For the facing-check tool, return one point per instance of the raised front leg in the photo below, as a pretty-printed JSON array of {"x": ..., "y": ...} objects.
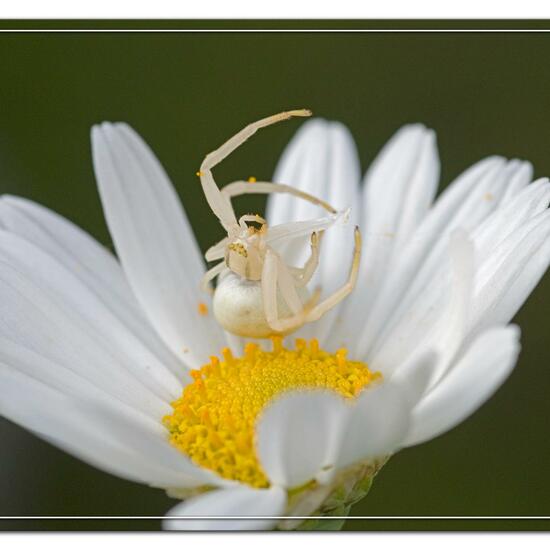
[{"x": 220, "y": 204}]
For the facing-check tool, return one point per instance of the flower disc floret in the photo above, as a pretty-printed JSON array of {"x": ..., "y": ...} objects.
[{"x": 214, "y": 421}]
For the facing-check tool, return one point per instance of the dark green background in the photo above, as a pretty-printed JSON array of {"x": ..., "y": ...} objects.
[{"x": 483, "y": 94}]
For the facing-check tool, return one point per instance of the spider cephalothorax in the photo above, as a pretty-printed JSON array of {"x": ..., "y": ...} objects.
[
  {"x": 244, "y": 255},
  {"x": 258, "y": 294}
]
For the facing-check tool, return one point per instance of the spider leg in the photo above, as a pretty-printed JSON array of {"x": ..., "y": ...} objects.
[
  {"x": 269, "y": 288},
  {"x": 287, "y": 286},
  {"x": 209, "y": 275},
  {"x": 238, "y": 188},
  {"x": 303, "y": 275},
  {"x": 319, "y": 310},
  {"x": 221, "y": 205},
  {"x": 217, "y": 251},
  {"x": 275, "y": 275},
  {"x": 215, "y": 157},
  {"x": 293, "y": 230}
]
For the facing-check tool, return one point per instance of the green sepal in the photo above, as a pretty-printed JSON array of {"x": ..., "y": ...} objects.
[
  {"x": 351, "y": 487},
  {"x": 360, "y": 490}
]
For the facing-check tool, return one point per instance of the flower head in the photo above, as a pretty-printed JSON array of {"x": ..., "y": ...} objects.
[{"x": 119, "y": 360}]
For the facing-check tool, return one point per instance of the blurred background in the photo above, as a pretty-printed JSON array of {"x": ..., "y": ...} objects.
[{"x": 186, "y": 93}]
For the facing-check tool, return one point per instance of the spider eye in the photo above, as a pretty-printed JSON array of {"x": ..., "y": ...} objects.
[{"x": 239, "y": 249}]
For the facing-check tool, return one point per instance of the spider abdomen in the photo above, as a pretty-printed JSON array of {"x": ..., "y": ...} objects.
[{"x": 238, "y": 307}]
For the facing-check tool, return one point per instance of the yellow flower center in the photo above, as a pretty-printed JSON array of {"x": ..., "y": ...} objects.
[{"x": 214, "y": 420}]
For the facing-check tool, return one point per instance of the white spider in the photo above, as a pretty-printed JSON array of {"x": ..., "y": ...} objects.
[{"x": 258, "y": 295}]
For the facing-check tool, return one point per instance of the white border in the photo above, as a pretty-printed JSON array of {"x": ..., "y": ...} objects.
[
  {"x": 282, "y": 9},
  {"x": 372, "y": 518}
]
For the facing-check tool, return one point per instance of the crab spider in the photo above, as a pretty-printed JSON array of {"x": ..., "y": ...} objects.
[{"x": 258, "y": 294}]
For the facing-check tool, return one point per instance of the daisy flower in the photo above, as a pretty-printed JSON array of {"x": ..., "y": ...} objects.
[{"x": 120, "y": 362}]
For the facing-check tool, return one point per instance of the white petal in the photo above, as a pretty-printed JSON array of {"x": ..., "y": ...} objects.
[
  {"x": 322, "y": 160},
  {"x": 399, "y": 189},
  {"x": 86, "y": 259},
  {"x": 298, "y": 436},
  {"x": 522, "y": 174},
  {"x": 63, "y": 286},
  {"x": 415, "y": 375},
  {"x": 514, "y": 213},
  {"x": 438, "y": 319},
  {"x": 518, "y": 291},
  {"x": 241, "y": 501},
  {"x": 454, "y": 324},
  {"x": 401, "y": 182},
  {"x": 54, "y": 375},
  {"x": 106, "y": 435},
  {"x": 342, "y": 191},
  {"x": 34, "y": 319},
  {"x": 506, "y": 277},
  {"x": 299, "y": 166},
  {"x": 464, "y": 204},
  {"x": 475, "y": 377},
  {"x": 65, "y": 241},
  {"x": 153, "y": 240},
  {"x": 147, "y": 440},
  {"x": 377, "y": 424},
  {"x": 70, "y": 431}
]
